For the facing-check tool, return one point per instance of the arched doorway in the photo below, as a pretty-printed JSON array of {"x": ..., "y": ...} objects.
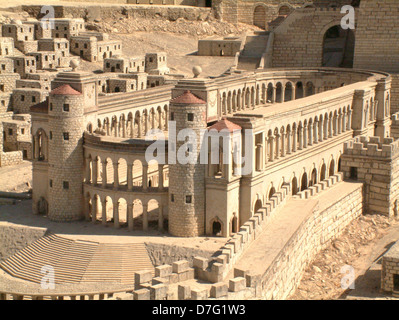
[
  {"x": 284, "y": 11},
  {"x": 304, "y": 182},
  {"x": 313, "y": 178},
  {"x": 234, "y": 222},
  {"x": 258, "y": 205},
  {"x": 260, "y": 17},
  {"x": 271, "y": 192},
  {"x": 338, "y": 47},
  {"x": 332, "y": 168},
  {"x": 216, "y": 228},
  {"x": 323, "y": 172},
  {"x": 294, "y": 186}
]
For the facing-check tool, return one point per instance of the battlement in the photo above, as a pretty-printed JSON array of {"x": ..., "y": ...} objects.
[{"x": 372, "y": 147}]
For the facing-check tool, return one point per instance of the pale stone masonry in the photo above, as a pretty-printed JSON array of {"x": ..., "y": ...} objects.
[{"x": 390, "y": 270}]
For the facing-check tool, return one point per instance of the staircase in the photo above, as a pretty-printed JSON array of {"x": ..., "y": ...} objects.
[
  {"x": 76, "y": 261},
  {"x": 255, "y": 46}
]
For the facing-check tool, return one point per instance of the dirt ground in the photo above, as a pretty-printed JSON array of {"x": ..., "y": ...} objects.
[{"x": 361, "y": 246}]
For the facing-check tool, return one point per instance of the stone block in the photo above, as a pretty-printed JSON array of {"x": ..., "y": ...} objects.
[
  {"x": 158, "y": 292},
  {"x": 219, "y": 290},
  {"x": 142, "y": 276},
  {"x": 141, "y": 294},
  {"x": 199, "y": 294},
  {"x": 240, "y": 273},
  {"x": 158, "y": 280},
  {"x": 163, "y": 271},
  {"x": 200, "y": 263},
  {"x": 237, "y": 284},
  {"x": 180, "y": 266},
  {"x": 184, "y": 292}
]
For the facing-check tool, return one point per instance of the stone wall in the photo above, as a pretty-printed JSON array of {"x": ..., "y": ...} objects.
[
  {"x": 390, "y": 269},
  {"x": 377, "y": 164},
  {"x": 167, "y": 254},
  {"x": 15, "y": 237}
]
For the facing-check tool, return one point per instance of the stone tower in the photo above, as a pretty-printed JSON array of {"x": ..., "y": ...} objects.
[
  {"x": 66, "y": 125},
  {"x": 187, "y": 181}
]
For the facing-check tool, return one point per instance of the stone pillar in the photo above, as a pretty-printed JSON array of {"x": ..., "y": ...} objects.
[
  {"x": 316, "y": 132},
  {"x": 130, "y": 176},
  {"x": 300, "y": 133},
  {"x": 277, "y": 146},
  {"x": 87, "y": 208},
  {"x": 116, "y": 214},
  {"x": 104, "y": 212},
  {"x": 305, "y": 136},
  {"x": 139, "y": 128},
  {"x": 36, "y": 146},
  {"x": 87, "y": 170},
  {"x": 94, "y": 209},
  {"x": 104, "y": 173},
  {"x": 123, "y": 123},
  {"x": 160, "y": 217},
  {"x": 274, "y": 95},
  {"x": 283, "y": 144},
  {"x": 95, "y": 171},
  {"x": 129, "y": 215},
  {"x": 145, "y": 217},
  {"x": 160, "y": 177},
  {"x": 340, "y": 123},
  {"x": 325, "y": 130},
  {"x": 145, "y": 177},
  {"x": 344, "y": 122},
  {"x": 335, "y": 126},
  {"x": 349, "y": 119},
  {"x": 131, "y": 128},
  {"x": 310, "y": 142},
  {"x": 266, "y": 151},
  {"x": 330, "y": 127},
  {"x": 294, "y": 139},
  {"x": 145, "y": 124},
  {"x": 116, "y": 174},
  {"x": 289, "y": 147}
]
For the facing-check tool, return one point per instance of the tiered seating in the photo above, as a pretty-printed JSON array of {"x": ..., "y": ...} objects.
[{"x": 76, "y": 261}]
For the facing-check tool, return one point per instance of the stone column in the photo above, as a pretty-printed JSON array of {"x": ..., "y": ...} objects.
[
  {"x": 300, "y": 133},
  {"x": 310, "y": 128},
  {"x": 274, "y": 95},
  {"x": 131, "y": 128},
  {"x": 95, "y": 171},
  {"x": 335, "y": 123},
  {"x": 36, "y": 146},
  {"x": 330, "y": 128},
  {"x": 283, "y": 144},
  {"x": 277, "y": 146},
  {"x": 349, "y": 126},
  {"x": 344, "y": 122},
  {"x": 160, "y": 177},
  {"x": 139, "y": 127},
  {"x": 145, "y": 217},
  {"x": 160, "y": 217},
  {"x": 129, "y": 215},
  {"x": 104, "y": 212},
  {"x": 116, "y": 214},
  {"x": 87, "y": 208},
  {"x": 104, "y": 173},
  {"x": 289, "y": 147},
  {"x": 340, "y": 123},
  {"x": 87, "y": 170},
  {"x": 271, "y": 143},
  {"x": 123, "y": 128},
  {"x": 145, "y": 177},
  {"x": 266, "y": 151},
  {"x": 305, "y": 136},
  {"x": 145, "y": 124},
  {"x": 325, "y": 136},
  {"x": 316, "y": 132},
  {"x": 130, "y": 176},
  {"x": 116, "y": 174},
  {"x": 294, "y": 139},
  {"x": 94, "y": 209}
]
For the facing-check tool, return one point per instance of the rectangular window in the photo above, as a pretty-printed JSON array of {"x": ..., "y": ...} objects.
[
  {"x": 51, "y": 183},
  {"x": 10, "y": 132},
  {"x": 190, "y": 116},
  {"x": 22, "y": 98},
  {"x": 51, "y": 106},
  {"x": 172, "y": 198},
  {"x": 66, "y": 135},
  {"x": 188, "y": 199},
  {"x": 66, "y": 107},
  {"x": 172, "y": 116},
  {"x": 51, "y": 135},
  {"x": 65, "y": 185},
  {"x": 22, "y": 131},
  {"x": 353, "y": 173},
  {"x": 33, "y": 99}
]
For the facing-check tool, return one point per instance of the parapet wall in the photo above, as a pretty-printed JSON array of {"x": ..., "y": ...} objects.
[{"x": 10, "y": 158}]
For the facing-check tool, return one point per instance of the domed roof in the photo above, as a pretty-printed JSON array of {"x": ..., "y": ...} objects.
[
  {"x": 65, "y": 89},
  {"x": 224, "y": 124},
  {"x": 187, "y": 98}
]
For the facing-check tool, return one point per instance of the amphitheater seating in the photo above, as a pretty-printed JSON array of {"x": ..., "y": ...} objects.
[{"x": 76, "y": 261}]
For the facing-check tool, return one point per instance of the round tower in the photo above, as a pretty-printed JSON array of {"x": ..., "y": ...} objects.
[
  {"x": 66, "y": 127},
  {"x": 187, "y": 181}
]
